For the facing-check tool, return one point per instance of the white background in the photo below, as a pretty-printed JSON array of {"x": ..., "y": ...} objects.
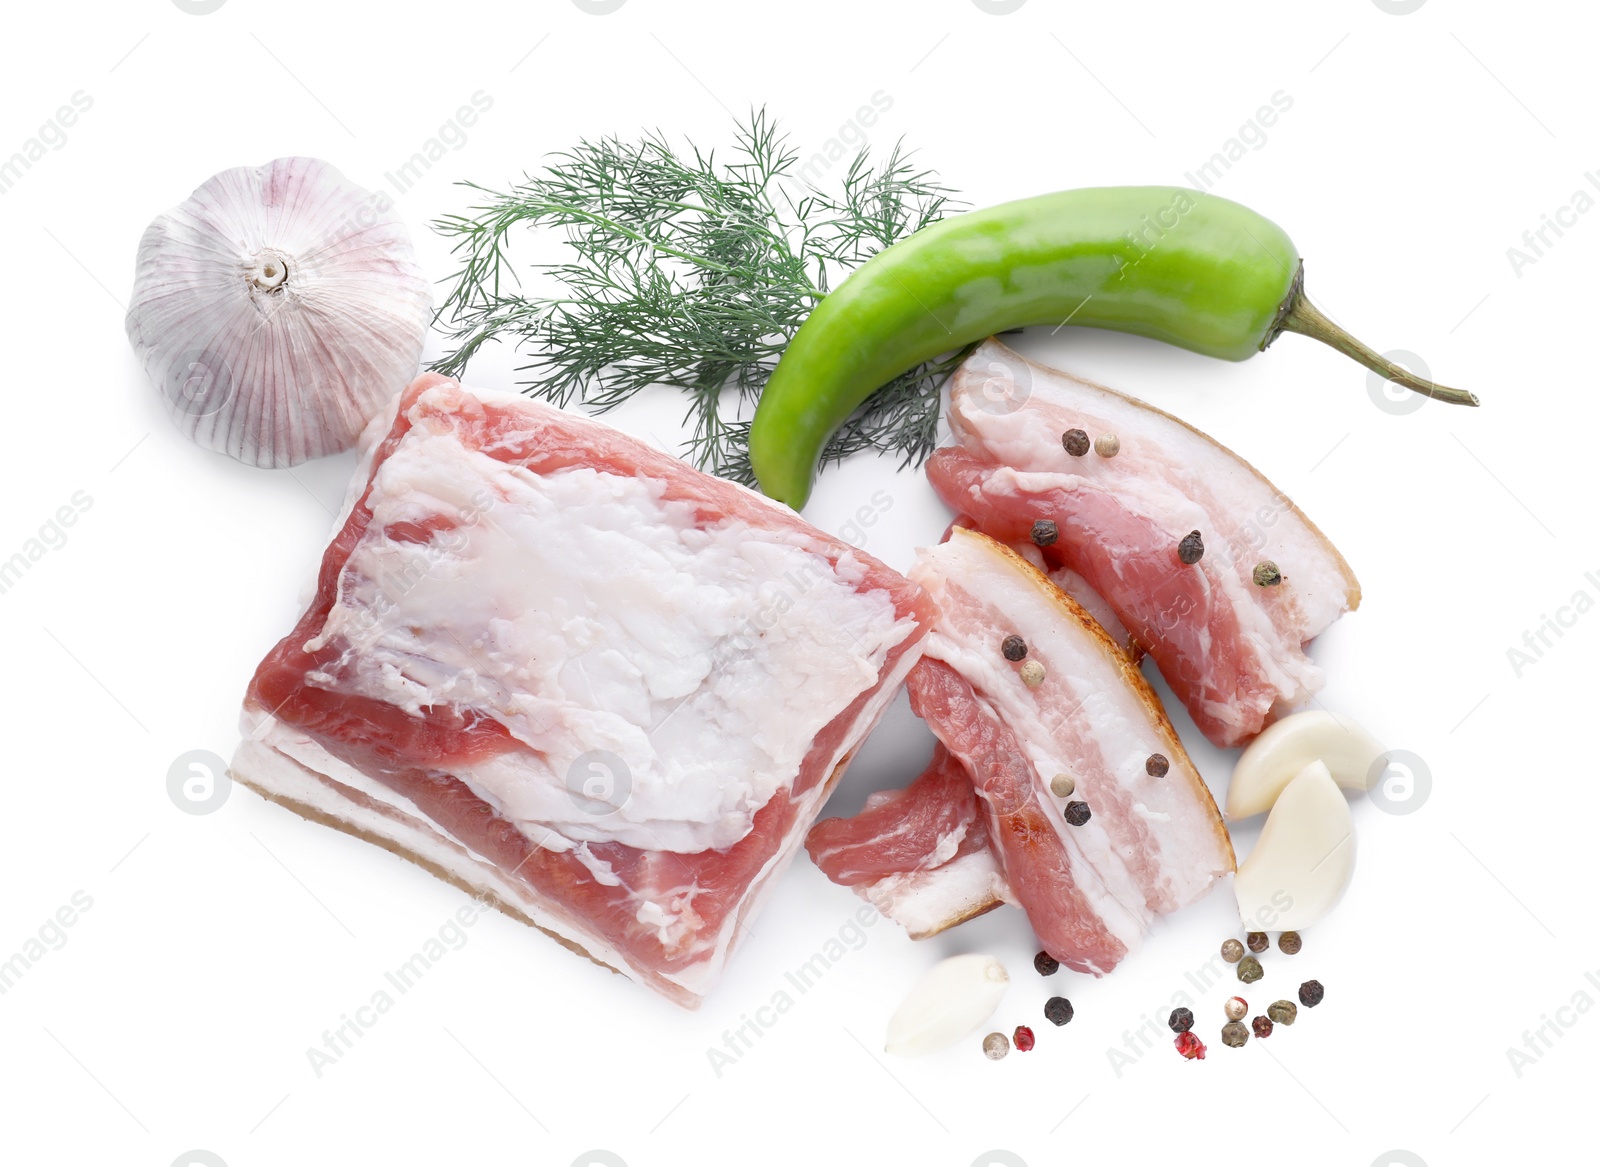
[{"x": 218, "y": 948}]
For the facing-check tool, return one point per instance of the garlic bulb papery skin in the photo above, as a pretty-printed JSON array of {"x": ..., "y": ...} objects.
[
  {"x": 277, "y": 310},
  {"x": 1304, "y": 859},
  {"x": 952, "y": 999}
]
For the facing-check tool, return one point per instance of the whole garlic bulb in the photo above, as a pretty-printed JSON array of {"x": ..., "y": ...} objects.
[{"x": 277, "y": 309}]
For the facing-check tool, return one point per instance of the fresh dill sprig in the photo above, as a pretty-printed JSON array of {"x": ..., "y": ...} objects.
[{"x": 692, "y": 271}]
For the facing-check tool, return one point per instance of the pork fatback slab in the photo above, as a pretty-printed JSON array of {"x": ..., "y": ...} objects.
[{"x": 569, "y": 672}]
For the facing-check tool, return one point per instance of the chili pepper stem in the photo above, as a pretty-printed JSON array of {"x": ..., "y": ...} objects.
[{"x": 1303, "y": 317}]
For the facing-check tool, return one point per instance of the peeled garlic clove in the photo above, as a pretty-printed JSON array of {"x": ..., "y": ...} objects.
[
  {"x": 950, "y": 1002},
  {"x": 278, "y": 310},
  {"x": 1305, "y": 856},
  {"x": 1286, "y": 747}
]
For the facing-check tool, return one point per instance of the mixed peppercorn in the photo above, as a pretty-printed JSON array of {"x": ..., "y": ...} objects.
[{"x": 1235, "y": 1033}]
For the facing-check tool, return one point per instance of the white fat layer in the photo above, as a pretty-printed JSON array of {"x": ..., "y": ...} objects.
[
  {"x": 1084, "y": 720},
  {"x": 1092, "y": 602},
  {"x": 926, "y": 902},
  {"x": 1248, "y": 518},
  {"x": 1079, "y": 589},
  {"x": 667, "y": 677}
]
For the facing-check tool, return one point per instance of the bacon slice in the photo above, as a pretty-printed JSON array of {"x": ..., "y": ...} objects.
[
  {"x": 568, "y": 672},
  {"x": 1232, "y": 651},
  {"x": 920, "y": 855},
  {"x": 1151, "y": 846}
]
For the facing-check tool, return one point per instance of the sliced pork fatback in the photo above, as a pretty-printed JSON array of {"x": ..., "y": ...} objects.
[
  {"x": 920, "y": 855},
  {"x": 562, "y": 669},
  {"x": 1231, "y": 649},
  {"x": 1151, "y": 844},
  {"x": 1155, "y": 844}
]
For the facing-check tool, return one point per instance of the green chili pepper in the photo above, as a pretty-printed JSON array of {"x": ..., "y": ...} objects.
[{"x": 1176, "y": 265}]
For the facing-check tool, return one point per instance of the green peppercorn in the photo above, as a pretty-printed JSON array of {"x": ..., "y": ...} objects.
[
  {"x": 1289, "y": 943},
  {"x": 996, "y": 1046},
  {"x": 1235, "y": 1034},
  {"x": 1311, "y": 994},
  {"x": 1181, "y": 1021},
  {"x": 1013, "y": 648},
  {"x": 1044, "y": 532},
  {"x": 1156, "y": 765},
  {"x": 1077, "y": 813},
  {"x": 1075, "y": 442},
  {"x": 1235, "y": 1008},
  {"x": 1267, "y": 574},
  {"x": 1283, "y": 1012},
  {"x": 1058, "y": 1010},
  {"x": 1191, "y": 548},
  {"x": 1249, "y": 970},
  {"x": 1232, "y": 950},
  {"x": 1262, "y": 1026},
  {"x": 1256, "y": 941}
]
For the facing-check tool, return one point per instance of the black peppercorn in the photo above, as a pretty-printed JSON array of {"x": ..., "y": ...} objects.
[
  {"x": 1013, "y": 648},
  {"x": 1075, "y": 442},
  {"x": 1058, "y": 1010},
  {"x": 1181, "y": 1021},
  {"x": 1045, "y": 964},
  {"x": 1044, "y": 532},
  {"x": 1156, "y": 765},
  {"x": 1311, "y": 994},
  {"x": 1077, "y": 813},
  {"x": 1190, "y": 548},
  {"x": 1256, "y": 941},
  {"x": 1289, "y": 943}
]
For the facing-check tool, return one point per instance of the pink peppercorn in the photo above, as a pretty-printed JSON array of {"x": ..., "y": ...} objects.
[
  {"x": 1022, "y": 1038},
  {"x": 1190, "y": 1046}
]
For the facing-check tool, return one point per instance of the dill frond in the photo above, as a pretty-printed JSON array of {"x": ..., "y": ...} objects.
[{"x": 690, "y": 271}]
